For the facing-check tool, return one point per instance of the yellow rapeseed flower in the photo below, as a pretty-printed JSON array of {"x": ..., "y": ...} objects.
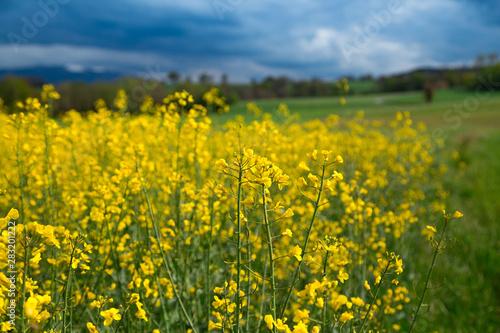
[
  {"x": 141, "y": 313},
  {"x": 313, "y": 155},
  {"x": 91, "y": 327},
  {"x": 346, "y": 316},
  {"x": 342, "y": 276},
  {"x": 337, "y": 175},
  {"x": 302, "y": 166},
  {"x": 13, "y": 214},
  {"x": 288, "y": 213},
  {"x": 110, "y": 315},
  {"x": 296, "y": 252},
  {"x": 431, "y": 228},
  {"x": 299, "y": 315},
  {"x": 300, "y": 328},
  {"x": 312, "y": 178},
  {"x": 269, "y": 321}
]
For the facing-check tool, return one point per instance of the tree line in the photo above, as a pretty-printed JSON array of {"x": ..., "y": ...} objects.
[{"x": 81, "y": 96}]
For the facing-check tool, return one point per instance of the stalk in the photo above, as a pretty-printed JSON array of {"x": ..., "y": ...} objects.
[
  {"x": 323, "y": 312},
  {"x": 238, "y": 268},
  {"x": 209, "y": 250},
  {"x": 121, "y": 320},
  {"x": 25, "y": 274},
  {"x": 263, "y": 288},
  {"x": 157, "y": 280},
  {"x": 249, "y": 285},
  {"x": 365, "y": 320},
  {"x": 426, "y": 286},
  {"x": 19, "y": 170},
  {"x": 304, "y": 248},
  {"x": 267, "y": 227},
  {"x": 114, "y": 256},
  {"x": 163, "y": 255},
  {"x": 67, "y": 287},
  {"x": 49, "y": 174}
]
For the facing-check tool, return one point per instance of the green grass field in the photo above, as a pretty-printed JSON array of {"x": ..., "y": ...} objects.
[
  {"x": 385, "y": 106},
  {"x": 466, "y": 280}
]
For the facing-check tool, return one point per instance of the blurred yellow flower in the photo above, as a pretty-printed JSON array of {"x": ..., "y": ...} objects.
[
  {"x": 269, "y": 321},
  {"x": 91, "y": 327},
  {"x": 302, "y": 166},
  {"x": 296, "y": 252},
  {"x": 13, "y": 214},
  {"x": 288, "y": 213},
  {"x": 110, "y": 315}
]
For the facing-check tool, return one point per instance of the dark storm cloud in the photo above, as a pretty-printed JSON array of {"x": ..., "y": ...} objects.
[{"x": 254, "y": 38}]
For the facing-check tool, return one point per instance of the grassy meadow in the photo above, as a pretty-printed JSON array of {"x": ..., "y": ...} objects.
[
  {"x": 254, "y": 220},
  {"x": 384, "y": 107},
  {"x": 467, "y": 297}
]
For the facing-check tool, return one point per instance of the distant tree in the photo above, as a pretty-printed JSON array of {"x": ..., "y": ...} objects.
[
  {"x": 429, "y": 89},
  {"x": 267, "y": 82},
  {"x": 492, "y": 59},
  {"x": 319, "y": 88},
  {"x": 224, "y": 85},
  {"x": 224, "y": 80},
  {"x": 280, "y": 87},
  {"x": 417, "y": 80},
  {"x": 386, "y": 83},
  {"x": 366, "y": 77},
  {"x": 469, "y": 80},
  {"x": 174, "y": 77},
  {"x": 205, "y": 78},
  {"x": 35, "y": 82},
  {"x": 14, "y": 89},
  {"x": 452, "y": 77},
  {"x": 480, "y": 61},
  {"x": 301, "y": 88}
]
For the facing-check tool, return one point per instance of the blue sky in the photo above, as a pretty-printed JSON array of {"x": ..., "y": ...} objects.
[{"x": 247, "y": 38}]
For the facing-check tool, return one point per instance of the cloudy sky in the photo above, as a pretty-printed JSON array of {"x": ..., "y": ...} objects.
[{"x": 247, "y": 38}]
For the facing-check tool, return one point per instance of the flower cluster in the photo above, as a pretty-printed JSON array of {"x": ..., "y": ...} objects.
[{"x": 162, "y": 222}]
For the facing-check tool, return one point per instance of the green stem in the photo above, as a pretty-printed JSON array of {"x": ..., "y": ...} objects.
[
  {"x": 158, "y": 284},
  {"x": 122, "y": 318},
  {"x": 19, "y": 170},
  {"x": 66, "y": 288},
  {"x": 238, "y": 268},
  {"x": 365, "y": 320},
  {"x": 271, "y": 256},
  {"x": 325, "y": 294},
  {"x": 48, "y": 170},
  {"x": 249, "y": 284},
  {"x": 209, "y": 250},
  {"x": 304, "y": 248},
  {"x": 263, "y": 288},
  {"x": 25, "y": 274},
  {"x": 426, "y": 286},
  {"x": 116, "y": 261},
  {"x": 164, "y": 258}
]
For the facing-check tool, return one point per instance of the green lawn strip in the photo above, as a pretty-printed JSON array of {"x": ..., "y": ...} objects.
[
  {"x": 468, "y": 274},
  {"x": 384, "y": 107}
]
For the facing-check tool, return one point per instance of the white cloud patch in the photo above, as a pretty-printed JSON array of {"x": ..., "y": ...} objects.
[
  {"x": 75, "y": 68},
  {"x": 323, "y": 44},
  {"x": 77, "y": 57},
  {"x": 300, "y": 38}
]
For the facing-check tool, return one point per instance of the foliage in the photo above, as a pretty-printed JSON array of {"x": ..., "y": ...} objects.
[{"x": 161, "y": 222}]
